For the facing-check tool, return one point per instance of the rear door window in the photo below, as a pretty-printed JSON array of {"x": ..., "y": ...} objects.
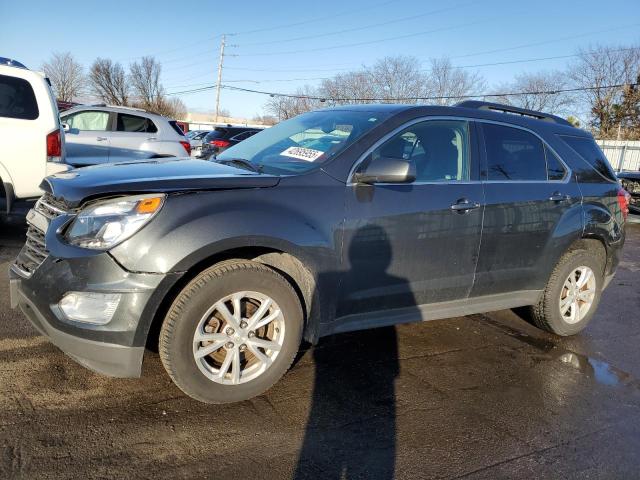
[
  {"x": 513, "y": 154},
  {"x": 590, "y": 152},
  {"x": 17, "y": 99},
  {"x": 90, "y": 120},
  {"x": 134, "y": 123}
]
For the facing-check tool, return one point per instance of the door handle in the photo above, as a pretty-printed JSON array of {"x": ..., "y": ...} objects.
[
  {"x": 151, "y": 139},
  {"x": 559, "y": 197},
  {"x": 463, "y": 205},
  {"x": 101, "y": 139}
]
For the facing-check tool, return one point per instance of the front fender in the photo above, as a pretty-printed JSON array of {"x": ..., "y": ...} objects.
[{"x": 194, "y": 227}]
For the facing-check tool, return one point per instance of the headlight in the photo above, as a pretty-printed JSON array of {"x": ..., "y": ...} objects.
[{"x": 104, "y": 224}]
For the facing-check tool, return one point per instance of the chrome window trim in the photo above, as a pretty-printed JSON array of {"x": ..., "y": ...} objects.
[{"x": 565, "y": 180}]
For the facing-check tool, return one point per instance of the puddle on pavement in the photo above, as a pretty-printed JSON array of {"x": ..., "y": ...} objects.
[
  {"x": 601, "y": 372},
  {"x": 598, "y": 370}
]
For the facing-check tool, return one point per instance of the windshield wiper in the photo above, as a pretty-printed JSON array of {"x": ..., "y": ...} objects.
[{"x": 242, "y": 163}]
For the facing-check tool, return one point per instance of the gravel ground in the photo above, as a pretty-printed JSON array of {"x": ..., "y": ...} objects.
[{"x": 483, "y": 396}]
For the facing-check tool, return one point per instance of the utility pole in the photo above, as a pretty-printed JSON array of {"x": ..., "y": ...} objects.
[{"x": 220, "y": 63}]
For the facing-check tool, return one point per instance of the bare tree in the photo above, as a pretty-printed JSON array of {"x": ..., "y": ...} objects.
[
  {"x": 537, "y": 91},
  {"x": 390, "y": 79},
  {"x": 596, "y": 70},
  {"x": 109, "y": 82},
  {"x": 283, "y": 107},
  {"x": 397, "y": 78},
  {"x": 168, "y": 107},
  {"x": 265, "y": 120},
  {"x": 145, "y": 79},
  {"x": 451, "y": 84},
  {"x": 66, "y": 75}
]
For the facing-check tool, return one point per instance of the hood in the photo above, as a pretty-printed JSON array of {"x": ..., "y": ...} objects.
[
  {"x": 629, "y": 175},
  {"x": 160, "y": 175}
]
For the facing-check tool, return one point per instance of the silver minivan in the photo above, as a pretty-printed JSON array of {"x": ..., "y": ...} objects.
[{"x": 106, "y": 134}]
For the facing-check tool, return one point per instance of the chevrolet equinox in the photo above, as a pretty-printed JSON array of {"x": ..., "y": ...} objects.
[{"x": 336, "y": 220}]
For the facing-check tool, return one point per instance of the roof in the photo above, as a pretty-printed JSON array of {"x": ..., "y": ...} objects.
[{"x": 118, "y": 109}]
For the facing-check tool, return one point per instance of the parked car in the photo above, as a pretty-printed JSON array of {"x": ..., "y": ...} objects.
[
  {"x": 100, "y": 134},
  {"x": 31, "y": 139},
  {"x": 196, "y": 141},
  {"x": 631, "y": 183},
  {"x": 221, "y": 138},
  {"x": 405, "y": 213}
]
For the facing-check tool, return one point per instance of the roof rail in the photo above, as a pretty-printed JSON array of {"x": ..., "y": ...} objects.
[
  {"x": 11, "y": 63},
  {"x": 498, "y": 107},
  {"x": 127, "y": 108},
  {"x": 105, "y": 105}
]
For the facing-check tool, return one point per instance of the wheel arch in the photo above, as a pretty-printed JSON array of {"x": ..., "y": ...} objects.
[{"x": 295, "y": 271}]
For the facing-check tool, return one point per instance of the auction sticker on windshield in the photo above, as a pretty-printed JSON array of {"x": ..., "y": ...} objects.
[{"x": 301, "y": 153}]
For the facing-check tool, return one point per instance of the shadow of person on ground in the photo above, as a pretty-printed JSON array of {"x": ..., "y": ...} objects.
[{"x": 351, "y": 430}]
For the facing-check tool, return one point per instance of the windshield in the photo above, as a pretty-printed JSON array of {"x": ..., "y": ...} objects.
[{"x": 304, "y": 142}]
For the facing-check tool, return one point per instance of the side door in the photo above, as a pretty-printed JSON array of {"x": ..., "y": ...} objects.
[
  {"x": 132, "y": 138},
  {"x": 415, "y": 243},
  {"x": 528, "y": 191},
  {"x": 87, "y": 140}
]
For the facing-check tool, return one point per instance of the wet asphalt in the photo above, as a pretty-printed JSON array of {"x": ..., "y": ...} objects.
[{"x": 484, "y": 396}]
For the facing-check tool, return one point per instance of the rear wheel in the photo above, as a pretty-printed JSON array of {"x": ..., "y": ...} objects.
[
  {"x": 572, "y": 294},
  {"x": 231, "y": 333}
]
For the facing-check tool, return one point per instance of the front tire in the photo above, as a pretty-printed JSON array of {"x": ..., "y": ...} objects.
[
  {"x": 232, "y": 332},
  {"x": 572, "y": 294}
]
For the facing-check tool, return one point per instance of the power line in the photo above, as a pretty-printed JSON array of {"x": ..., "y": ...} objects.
[
  {"x": 258, "y": 30},
  {"x": 441, "y": 97},
  {"x": 369, "y": 42},
  {"x": 477, "y": 65},
  {"x": 311, "y": 20},
  {"x": 364, "y": 27},
  {"x": 545, "y": 42}
]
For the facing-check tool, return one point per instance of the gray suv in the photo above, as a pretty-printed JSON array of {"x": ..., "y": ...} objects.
[
  {"x": 336, "y": 220},
  {"x": 107, "y": 134}
]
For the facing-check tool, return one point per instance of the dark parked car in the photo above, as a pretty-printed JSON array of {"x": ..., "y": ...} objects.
[
  {"x": 631, "y": 183},
  {"x": 221, "y": 138},
  {"x": 336, "y": 220}
]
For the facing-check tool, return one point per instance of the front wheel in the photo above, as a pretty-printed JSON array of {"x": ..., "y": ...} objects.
[
  {"x": 231, "y": 333},
  {"x": 572, "y": 294}
]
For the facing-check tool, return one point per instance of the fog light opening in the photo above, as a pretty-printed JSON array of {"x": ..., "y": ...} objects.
[{"x": 89, "y": 307}]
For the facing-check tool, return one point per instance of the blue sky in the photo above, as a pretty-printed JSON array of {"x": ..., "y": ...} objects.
[{"x": 185, "y": 36}]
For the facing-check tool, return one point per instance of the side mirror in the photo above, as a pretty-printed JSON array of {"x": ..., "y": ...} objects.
[
  {"x": 387, "y": 170},
  {"x": 65, "y": 127}
]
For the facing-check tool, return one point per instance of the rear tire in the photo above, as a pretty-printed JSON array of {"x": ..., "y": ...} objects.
[
  {"x": 572, "y": 294},
  {"x": 214, "y": 342}
]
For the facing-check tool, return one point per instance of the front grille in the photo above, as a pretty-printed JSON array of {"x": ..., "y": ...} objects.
[
  {"x": 34, "y": 251},
  {"x": 50, "y": 207}
]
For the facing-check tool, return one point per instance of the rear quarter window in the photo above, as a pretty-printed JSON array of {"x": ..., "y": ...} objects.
[
  {"x": 17, "y": 99},
  {"x": 176, "y": 127},
  {"x": 590, "y": 152}
]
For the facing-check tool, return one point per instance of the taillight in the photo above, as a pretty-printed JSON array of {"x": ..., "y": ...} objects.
[
  {"x": 219, "y": 143},
  {"x": 187, "y": 146},
  {"x": 54, "y": 146},
  {"x": 623, "y": 200}
]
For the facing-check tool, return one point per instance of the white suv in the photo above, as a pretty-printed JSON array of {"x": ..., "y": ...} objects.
[
  {"x": 99, "y": 134},
  {"x": 31, "y": 140}
]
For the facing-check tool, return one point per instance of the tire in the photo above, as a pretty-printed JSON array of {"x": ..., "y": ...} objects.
[
  {"x": 548, "y": 314},
  {"x": 198, "y": 308}
]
